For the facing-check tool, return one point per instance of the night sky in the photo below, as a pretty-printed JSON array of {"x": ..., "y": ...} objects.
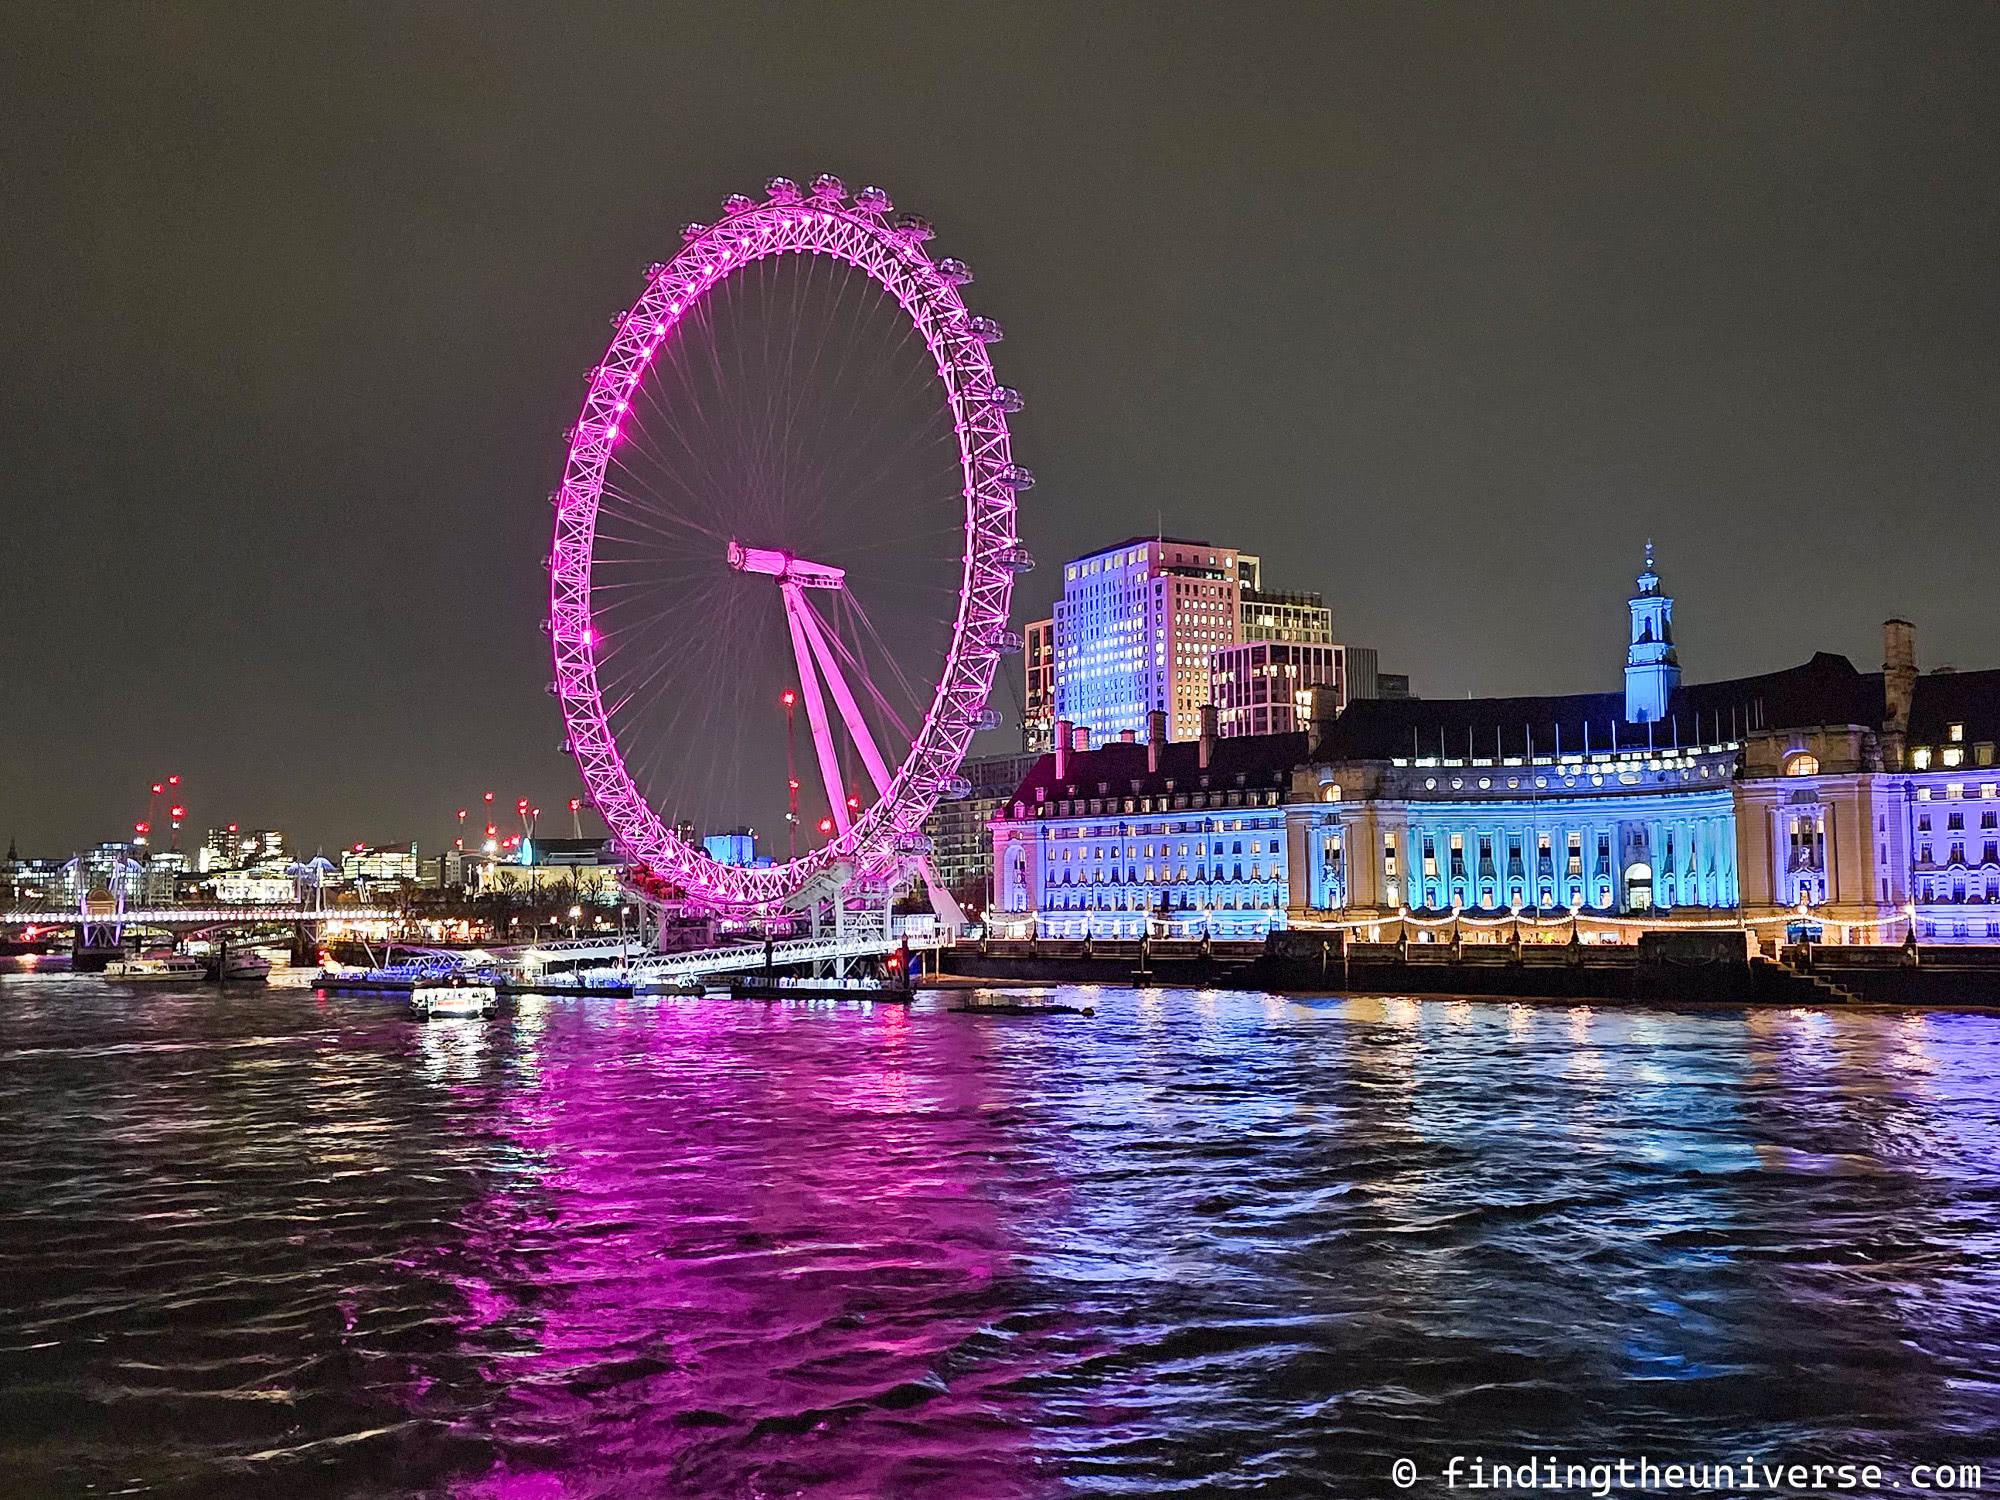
[{"x": 1443, "y": 309}]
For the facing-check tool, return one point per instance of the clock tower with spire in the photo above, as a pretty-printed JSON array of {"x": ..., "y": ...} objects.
[{"x": 1652, "y": 669}]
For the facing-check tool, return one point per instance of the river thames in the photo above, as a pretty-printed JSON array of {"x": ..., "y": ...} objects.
[{"x": 271, "y": 1242}]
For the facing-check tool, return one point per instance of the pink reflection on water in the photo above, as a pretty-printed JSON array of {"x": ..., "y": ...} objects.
[{"x": 743, "y": 1249}]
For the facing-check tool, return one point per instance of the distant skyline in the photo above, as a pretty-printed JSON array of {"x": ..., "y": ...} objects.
[{"x": 1441, "y": 310}]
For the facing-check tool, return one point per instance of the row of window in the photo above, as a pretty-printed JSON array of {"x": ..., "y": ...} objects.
[
  {"x": 1959, "y": 889},
  {"x": 1955, "y": 822},
  {"x": 1078, "y": 807},
  {"x": 1956, "y": 854},
  {"x": 1214, "y": 848},
  {"x": 1203, "y": 874},
  {"x": 1266, "y": 898}
]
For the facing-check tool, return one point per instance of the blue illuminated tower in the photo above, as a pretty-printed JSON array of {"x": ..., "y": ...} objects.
[{"x": 1652, "y": 670}]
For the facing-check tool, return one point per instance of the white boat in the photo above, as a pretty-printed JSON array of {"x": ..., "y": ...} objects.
[
  {"x": 157, "y": 968},
  {"x": 232, "y": 964},
  {"x": 454, "y": 999}
]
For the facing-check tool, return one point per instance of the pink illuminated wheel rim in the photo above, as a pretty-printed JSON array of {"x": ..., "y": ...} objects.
[{"x": 883, "y": 837}]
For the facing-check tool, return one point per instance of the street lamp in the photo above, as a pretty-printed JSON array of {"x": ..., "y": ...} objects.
[{"x": 575, "y": 913}]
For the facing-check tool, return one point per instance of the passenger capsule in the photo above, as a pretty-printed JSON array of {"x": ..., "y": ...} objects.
[
  {"x": 1017, "y": 477},
  {"x": 954, "y": 270},
  {"x": 955, "y": 788},
  {"x": 1005, "y": 642},
  {"x": 913, "y": 229},
  {"x": 736, "y": 203},
  {"x": 828, "y": 188},
  {"x": 986, "y": 330},
  {"x": 988, "y": 720},
  {"x": 1006, "y": 398},
  {"x": 782, "y": 190},
  {"x": 872, "y": 200},
  {"x": 1017, "y": 559}
]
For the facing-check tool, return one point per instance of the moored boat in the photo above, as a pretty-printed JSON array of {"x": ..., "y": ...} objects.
[
  {"x": 157, "y": 968},
  {"x": 454, "y": 998},
  {"x": 236, "y": 965},
  {"x": 777, "y": 987}
]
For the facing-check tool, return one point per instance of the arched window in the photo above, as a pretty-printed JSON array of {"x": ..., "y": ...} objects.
[{"x": 1802, "y": 763}]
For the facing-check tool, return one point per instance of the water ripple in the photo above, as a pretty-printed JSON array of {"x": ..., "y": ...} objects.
[{"x": 1202, "y": 1244}]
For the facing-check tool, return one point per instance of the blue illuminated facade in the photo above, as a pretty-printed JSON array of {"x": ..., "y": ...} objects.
[
  {"x": 1177, "y": 839},
  {"x": 1134, "y": 630},
  {"x": 1852, "y": 806}
]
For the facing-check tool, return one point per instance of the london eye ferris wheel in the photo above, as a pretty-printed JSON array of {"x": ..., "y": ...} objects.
[{"x": 791, "y": 487}]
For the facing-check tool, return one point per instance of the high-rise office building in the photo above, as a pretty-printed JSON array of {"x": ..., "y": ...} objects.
[
  {"x": 1266, "y": 687},
  {"x": 1297, "y": 617},
  {"x": 1134, "y": 631}
]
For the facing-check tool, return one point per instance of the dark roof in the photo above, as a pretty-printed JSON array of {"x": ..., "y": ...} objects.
[
  {"x": 1262, "y": 760},
  {"x": 555, "y": 848},
  {"x": 1140, "y": 541},
  {"x": 1946, "y": 698},
  {"x": 1825, "y": 690}
]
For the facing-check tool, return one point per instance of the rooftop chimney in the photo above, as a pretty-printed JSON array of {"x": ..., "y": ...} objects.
[
  {"x": 1082, "y": 737},
  {"x": 1128, "y": 736},
  {"x": 1156, "y": 740},
  {"x": 1209, "y": 727},
  {"x": 1062, "y": 748},
  {"x": 1899, "y": 685}
]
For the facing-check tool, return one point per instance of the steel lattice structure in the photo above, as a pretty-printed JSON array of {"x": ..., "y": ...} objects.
[{"x": 863, "y": 233}]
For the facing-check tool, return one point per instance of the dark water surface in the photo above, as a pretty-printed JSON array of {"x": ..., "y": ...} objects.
[{"x": 287, "y": 1244}]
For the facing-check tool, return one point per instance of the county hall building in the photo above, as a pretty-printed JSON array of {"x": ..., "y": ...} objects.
[{"x": 1854, "y": 803}]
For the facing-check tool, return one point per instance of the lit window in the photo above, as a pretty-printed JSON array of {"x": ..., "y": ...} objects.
[
  {"x": 1804, "y": 763},
  {"x": 1954, "y": 754},
  {"x": 1921, "y": 759},
  {"x": 1955, "y": 733}
]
